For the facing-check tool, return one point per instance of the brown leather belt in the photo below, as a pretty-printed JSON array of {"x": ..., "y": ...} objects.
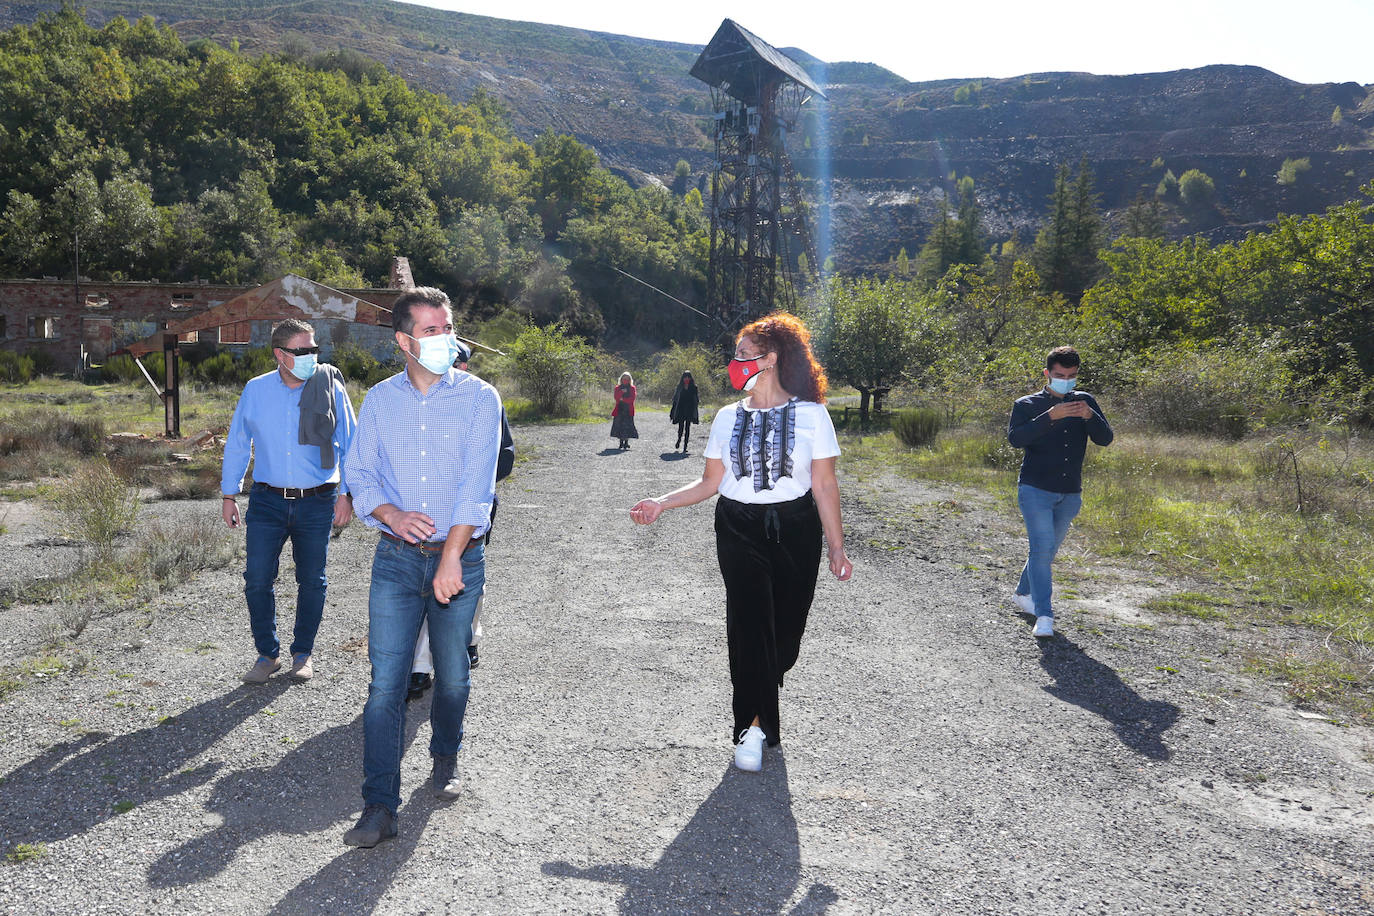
[
  {"x": 297, "y": 492},
  {"x": 429, "y": 546}
]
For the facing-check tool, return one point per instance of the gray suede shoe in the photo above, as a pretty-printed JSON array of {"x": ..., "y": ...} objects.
[
  {"x": 444, "y": 777},
  {"x": 376, "y": 824}
]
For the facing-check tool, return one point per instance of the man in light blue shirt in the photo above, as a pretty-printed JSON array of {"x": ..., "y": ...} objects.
[
  {"x": 295, "y": 489},
  {"x": 422, "y": 471}
]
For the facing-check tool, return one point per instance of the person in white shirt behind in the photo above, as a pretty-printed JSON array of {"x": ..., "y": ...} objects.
[{"x": 771, "y": 457}]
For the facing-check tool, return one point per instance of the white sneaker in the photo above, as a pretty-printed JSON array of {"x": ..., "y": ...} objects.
[
  {"x": 1044, "y": 627},
  {"x": 749, "y": 751},
  {"x": 1025, "y": 603}
]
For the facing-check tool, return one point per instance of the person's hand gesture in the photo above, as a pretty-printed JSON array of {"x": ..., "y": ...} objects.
[
  {"x": 1076, "y": 408},
  {"x": 646, "y": 511}
]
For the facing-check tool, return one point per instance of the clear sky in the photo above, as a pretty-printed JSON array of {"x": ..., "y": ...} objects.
[{"x": 1311, "y": 41}]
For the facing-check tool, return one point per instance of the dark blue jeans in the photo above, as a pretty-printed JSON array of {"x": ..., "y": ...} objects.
[
  {"x": 1047, "y": 516},
  {"x": 402, "y": 596},
  {"x": 271, "y": 519}
]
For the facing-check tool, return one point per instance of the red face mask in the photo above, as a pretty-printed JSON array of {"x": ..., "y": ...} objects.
[{"x": 741, "y": 371}]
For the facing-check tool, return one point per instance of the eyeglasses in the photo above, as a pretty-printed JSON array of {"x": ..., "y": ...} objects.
[{"x": 299, "y": 351}]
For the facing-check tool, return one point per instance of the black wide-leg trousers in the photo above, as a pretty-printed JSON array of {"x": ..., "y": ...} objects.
[{"x": 769, "y": 557}]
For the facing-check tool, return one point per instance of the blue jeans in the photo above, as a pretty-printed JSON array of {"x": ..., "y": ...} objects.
[
  {"x": 1047, "y": 516},
  {"x": 271, "y": 519},
  {"x": 402, "y": 596}
]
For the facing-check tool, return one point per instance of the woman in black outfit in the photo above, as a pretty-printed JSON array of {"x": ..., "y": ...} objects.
[
  {"x": 771, "y": 457},
  {"x": 684, "y": 410}
]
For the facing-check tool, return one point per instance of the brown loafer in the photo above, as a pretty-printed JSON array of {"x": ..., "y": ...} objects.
[{"x": 300, "y": 668}]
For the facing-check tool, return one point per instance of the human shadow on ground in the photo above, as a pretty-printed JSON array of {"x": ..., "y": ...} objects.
[
  {"x": 310, "y": 789},
  {"x": 1083, "y": 681},
  {"x": 355, "y": 880},
  {"x": 739, "y": 853},
  {"x": 612, "y": 450},
  {"x": 78, "y": 784},
  {"x": 674, "y": 456}
]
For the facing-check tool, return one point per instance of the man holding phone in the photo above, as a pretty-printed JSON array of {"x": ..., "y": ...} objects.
[{"x": 1053, "y": 426}]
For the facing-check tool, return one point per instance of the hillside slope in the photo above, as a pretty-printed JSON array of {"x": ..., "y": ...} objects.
[{"x": 881, "y": 150}]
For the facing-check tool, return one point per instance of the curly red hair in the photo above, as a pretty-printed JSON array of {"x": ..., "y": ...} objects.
[{"x": 786, "y": 335}]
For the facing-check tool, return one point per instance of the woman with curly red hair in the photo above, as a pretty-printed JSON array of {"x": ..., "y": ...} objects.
[{"x": 771, "y": 457}]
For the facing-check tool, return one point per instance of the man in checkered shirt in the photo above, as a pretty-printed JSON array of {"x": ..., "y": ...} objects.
[{"x": 422, "y": 470}]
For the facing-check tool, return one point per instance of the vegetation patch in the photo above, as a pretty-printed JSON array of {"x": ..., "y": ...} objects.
[
  {"x": 27, "y": 852},
  {"x": 1191, "y": 604}
]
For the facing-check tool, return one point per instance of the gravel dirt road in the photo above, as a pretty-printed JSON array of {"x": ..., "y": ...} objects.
[{"x": 936, "y": 758}]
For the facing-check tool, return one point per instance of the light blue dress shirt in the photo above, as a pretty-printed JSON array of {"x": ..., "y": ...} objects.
[
  {"x": 432, "y": 452},
  {"x": 266, "y": 427}
]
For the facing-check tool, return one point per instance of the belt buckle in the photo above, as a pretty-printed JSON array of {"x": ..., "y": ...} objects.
[{"x": 286, "y": 492}]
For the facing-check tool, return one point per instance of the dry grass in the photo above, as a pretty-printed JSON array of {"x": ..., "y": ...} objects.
[{"x": 1282, "y": 525}]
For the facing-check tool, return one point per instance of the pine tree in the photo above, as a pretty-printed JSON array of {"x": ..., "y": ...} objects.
[
  {"x": 1143, "y": 219},
  {"x": 957, "y": 239},
  {"x": 1065, "y": 253}
]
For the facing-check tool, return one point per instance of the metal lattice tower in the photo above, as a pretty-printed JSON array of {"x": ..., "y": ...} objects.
[{"x": 757, "y": 93}]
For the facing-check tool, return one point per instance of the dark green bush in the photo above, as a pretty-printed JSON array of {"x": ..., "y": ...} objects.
[
  {"x": 233, "y": 370},
  {"x": 359, "y": 365},
  {"x": 44, "y": 363},
  {"x": 15, "y": 368},
  {"x": 122, "y": 368},
  {"x": 917, "y": 426}
]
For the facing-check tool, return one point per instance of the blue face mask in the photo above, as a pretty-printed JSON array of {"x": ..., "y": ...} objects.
[
  {"x": 437, "y": 353},
  {"x": 302, "y": 367},
  {"x": 1062, "y": 385}
]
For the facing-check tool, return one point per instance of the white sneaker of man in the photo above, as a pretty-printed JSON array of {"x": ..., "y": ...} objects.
[
  {"x": 1025, "y": 603},
  {"x": 749, "y": 751},
  {"x": 1044, "y": 627}
]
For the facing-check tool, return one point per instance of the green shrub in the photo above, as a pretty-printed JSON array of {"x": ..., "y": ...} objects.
[
  {"x": 123, "y": 368},
  {"x": 552, "y": 368},
  {"x": 233, "y": 370},
  {"x": 1291, "y": 169},
  {"x": 1195, "y": 187},
  {"x": 44, "y": 363},
  {"x": 95, "y": 506},
  {"x": 1215, "y": 392},
  {"x": 15, "y": 368},
  {"x": 917, "y": 426},
  {"x": 359, "y": 365},
  {"x": 1168, "y": 185},
  {"x": 665, "y": 372}
]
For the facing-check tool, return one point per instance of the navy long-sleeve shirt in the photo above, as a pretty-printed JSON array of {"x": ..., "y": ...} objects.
[{"x": 1054, "y": 448}]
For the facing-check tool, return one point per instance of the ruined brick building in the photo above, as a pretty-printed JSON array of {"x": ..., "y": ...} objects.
[{"x": 79, "y": 325}]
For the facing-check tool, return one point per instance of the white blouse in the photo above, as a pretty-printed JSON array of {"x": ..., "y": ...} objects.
[{"x": 768, "y": 452}]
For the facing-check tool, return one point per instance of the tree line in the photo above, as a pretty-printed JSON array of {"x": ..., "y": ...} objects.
[
  {"x": 1272, "y": 329},
  {"x": 147, "y": 157}
]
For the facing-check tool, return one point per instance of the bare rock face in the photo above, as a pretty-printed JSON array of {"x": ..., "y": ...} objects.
[{"x": 897, "y": 147}]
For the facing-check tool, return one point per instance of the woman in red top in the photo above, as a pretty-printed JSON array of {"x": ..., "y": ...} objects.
[{"x": 623, "y": 416}]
